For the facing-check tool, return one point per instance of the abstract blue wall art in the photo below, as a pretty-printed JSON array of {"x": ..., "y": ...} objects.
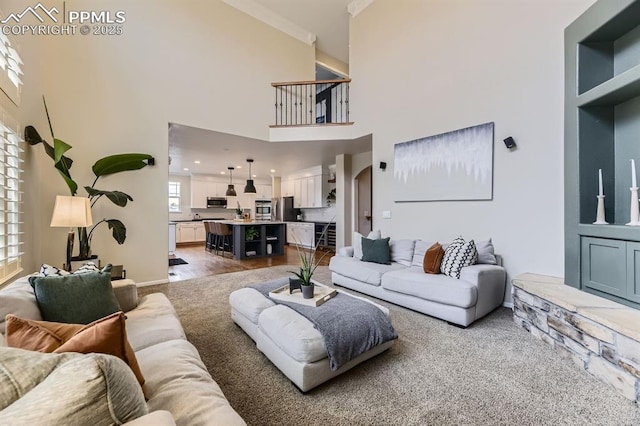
[{"x": 451, "y": 166}]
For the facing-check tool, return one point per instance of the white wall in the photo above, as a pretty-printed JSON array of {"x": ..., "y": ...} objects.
[
  {"x": 199, "y": 63},
  {"x": 425, "y": 67}
]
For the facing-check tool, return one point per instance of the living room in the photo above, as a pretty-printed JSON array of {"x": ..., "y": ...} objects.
[{"x": 418, "y": 68}]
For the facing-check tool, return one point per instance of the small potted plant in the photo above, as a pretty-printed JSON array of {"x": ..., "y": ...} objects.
[
  {"x": 251, "y": 233},
  {"x": 308, "y": 265},
  {"x": 238, "y": 211}
]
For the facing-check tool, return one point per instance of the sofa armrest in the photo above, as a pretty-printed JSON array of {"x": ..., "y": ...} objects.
[
  {"x": 155, "y": 418},
  {"x": 490, "y": 281},
  {"x": 345, "y": 251},
  {"x": 126, "y": 292}
]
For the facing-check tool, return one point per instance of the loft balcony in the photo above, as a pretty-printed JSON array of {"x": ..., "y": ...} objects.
[{"x": 311, "y": 110}]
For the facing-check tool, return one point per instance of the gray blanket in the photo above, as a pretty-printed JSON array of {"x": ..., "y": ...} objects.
[{"x": 349, "y": 326}]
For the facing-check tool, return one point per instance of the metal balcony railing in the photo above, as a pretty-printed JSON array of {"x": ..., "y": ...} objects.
[{"x": 306, "y": 103}]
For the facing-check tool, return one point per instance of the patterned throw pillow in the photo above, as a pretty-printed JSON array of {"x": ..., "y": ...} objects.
[
  {"x": 48, "y": 270},
  {"x": 458, "y": 255}
]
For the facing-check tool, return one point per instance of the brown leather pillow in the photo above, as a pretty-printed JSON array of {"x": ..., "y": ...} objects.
[
  {"x": 107, "y": 335},
  {"x": 433, "y": 259}
]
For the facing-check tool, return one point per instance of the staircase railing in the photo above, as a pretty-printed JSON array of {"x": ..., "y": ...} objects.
[{"x": 307, "y": 103}]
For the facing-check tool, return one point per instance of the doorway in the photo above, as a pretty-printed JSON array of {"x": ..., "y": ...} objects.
[{"x": 363, "y": 191}]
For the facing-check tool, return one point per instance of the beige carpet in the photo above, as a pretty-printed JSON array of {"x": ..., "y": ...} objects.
[{"x": 492, "y": 373}]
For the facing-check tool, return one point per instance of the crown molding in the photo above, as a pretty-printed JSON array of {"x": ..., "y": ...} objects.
[
  {"x": 271, "y": 18},
  {"x": 357, "y": 6}
]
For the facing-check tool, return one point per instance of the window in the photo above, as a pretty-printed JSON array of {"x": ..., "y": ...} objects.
[
  {"x": 10, "y": 69},
  {"x": 11, "y": 198},
  {"x": 174, "y": 197}
]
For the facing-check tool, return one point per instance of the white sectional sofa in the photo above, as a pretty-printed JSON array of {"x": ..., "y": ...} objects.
[
  {"x": 178, "y": 387},
  {"x": 479, "y": 290}
]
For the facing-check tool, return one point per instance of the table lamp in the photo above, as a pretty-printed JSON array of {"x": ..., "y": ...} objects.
[{"x": 71, "y": 212}]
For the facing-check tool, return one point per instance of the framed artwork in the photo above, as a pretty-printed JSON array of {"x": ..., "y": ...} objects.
[{"x": 451, "y": 166}]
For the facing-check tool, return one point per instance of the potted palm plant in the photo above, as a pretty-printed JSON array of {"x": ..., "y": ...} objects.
[
  {"x": 105, "y": 166},
  {"x": 238, "y": 211},
  {"x": 309, "y": 262}
]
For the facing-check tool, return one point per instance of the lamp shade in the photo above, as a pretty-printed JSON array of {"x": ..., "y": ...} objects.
[{"x": 71, "y": 212}]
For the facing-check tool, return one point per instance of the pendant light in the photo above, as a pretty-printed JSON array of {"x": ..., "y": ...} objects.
[
  {"x": 231, "y": 190},
  {"x": 250, "y": 188}
]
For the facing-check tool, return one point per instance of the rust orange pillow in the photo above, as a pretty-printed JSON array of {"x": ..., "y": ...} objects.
[
  {"x": 107, "y": 335},
  {"x": 433, "y": 259}
]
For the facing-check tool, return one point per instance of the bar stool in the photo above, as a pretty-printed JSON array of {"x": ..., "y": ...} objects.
[
  {"x": 209, "y": 240},
  {"x": 225, "y": 233}
]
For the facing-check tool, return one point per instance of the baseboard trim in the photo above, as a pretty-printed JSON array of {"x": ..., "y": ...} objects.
[
  {"x": 508, "y": 305},
  {"x": 148, "y": 283}
]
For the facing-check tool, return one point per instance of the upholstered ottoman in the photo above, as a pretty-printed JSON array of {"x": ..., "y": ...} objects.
[{"x": 289, "y": 340}]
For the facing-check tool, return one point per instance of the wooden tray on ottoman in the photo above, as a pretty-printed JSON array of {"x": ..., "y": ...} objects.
[{"x": 321, "y": 294}]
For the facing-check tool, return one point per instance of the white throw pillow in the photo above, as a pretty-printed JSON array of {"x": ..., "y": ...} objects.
[
  {"x": 402, "y": 251},
  {"x": 419, "y": 250},
  {"x": 357, "y": 242},
  {"x": 486, "y": 254},
  {"x": 458, "y": 255}
]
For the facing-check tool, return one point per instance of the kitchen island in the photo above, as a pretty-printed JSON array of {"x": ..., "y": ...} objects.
[{"x": 256, "y": 238}]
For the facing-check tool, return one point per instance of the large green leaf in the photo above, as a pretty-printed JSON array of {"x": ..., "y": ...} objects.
[
  {"x": 59, "y": 148},
  {"x": 118, "y": 198},
  {"x": 120, "y": 163},
  {"x": 31, "y": 136},
  {"x": 119, "y": 230}
]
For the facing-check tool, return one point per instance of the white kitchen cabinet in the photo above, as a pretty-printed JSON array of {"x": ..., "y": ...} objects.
[
  {"x": 301, "y": 233},
  {"x": 198, "y": 194},
  {"x": 190, "y": 232},
  {"x": 263, "y": 192},
  {"x": 286, "y": 188},
  {"x": 299, "y": 195},
  {"x": 172, "y": 238}
]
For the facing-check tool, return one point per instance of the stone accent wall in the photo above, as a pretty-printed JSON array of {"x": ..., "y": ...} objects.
[{"x": 608, "y": 355}]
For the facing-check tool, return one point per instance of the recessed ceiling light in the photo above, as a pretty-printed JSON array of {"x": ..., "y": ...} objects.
[
  {"x": 238, "y": 167},
  {"x": 186, "y": 169},
  {"x": 197, "y": 161},
  {"x": 272, "y": 170},
  {"x": 221, "y": 173},
  {"x": 254, "y": 176}
]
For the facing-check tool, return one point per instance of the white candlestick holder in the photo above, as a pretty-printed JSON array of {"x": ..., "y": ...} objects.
[
  {"x": 634, "y": 212},
  {"x": 600, "y": 219}
]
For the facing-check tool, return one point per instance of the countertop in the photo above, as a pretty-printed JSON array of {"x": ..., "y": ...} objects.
[
  {"x": 254, "y": 222},
  {"x": 196, "y": 220}
]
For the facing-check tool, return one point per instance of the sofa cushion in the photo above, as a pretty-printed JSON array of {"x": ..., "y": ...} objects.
[
  {"x": 293, "y": 333},
  {"x": 106, "y": 335},
  {"x": 75, "y": 298},
  {"x": 67, "y": 389},
  {"x": 436, "y": 288},
  {"x": 402, "y": 251},
  {"x": 18, "y": 299},
  {"x": 178, "y": 381},
  {"x": 459, "y": 254},
  {"x": 419, "y": 251},
  {"x": 250, "y": 303},
  {"x": 366, "y": 272},
  {"x": 433, "y": 259},
  {"x": 486, "y": 254},
  {"x": 376, "y": 251},
  {"x": 153, "y": 321},
  {"x": 357, "y": 242}
]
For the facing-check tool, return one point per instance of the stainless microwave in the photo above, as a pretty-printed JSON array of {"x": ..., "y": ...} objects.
[{"x": 213, "y": 202}]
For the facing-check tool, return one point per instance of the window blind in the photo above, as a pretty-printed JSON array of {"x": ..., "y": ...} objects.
[
  {"x": 11, "y": 66},
  {"x": 11, "y": 198}
]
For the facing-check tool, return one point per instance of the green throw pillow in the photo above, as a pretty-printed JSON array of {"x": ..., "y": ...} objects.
[
  {"x": 76, "y": 298},
  {"x": 376, "y": 251}
]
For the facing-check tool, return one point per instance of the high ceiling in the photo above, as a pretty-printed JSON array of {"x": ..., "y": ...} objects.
[
  {"x": 216, "y": 151},
  {"x": 327, "y": 19}
]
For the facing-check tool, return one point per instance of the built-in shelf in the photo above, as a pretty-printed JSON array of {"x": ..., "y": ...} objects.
[
  {"x": 617, "y": 90},
  {"x": 602, "y": 132}
]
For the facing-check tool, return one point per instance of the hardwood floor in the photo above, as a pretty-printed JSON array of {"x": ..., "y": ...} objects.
[{"x": 202, "y": 263}]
